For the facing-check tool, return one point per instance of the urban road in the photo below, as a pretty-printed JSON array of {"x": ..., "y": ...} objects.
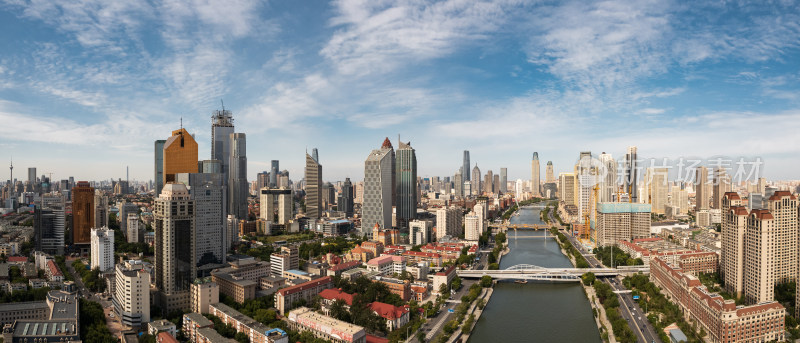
[{"x": 630, "y": 309}]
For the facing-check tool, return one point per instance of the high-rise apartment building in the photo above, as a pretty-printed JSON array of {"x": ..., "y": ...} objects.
[
  {"x": 702, "y": 189},
  {"x": 158, "y": 176},
  {"x": 472, "y": 227},
  {"x": 100, "y": 210},
  {"x": 204, "y": 292},
  {"x": 448, "y": 222},
  {"x": 458, "y": 184},
  {"x": 621, "y": 221},
  {"x": 132, "y": 293},
  {"x": 313, "y": 187},
  {"x": 606, "y": 178},
  {"x": 536, "y": 189},
  {"x": 585, "y": 180},
  {"x": 658, "y": 189},
  {"x": 269, "y": 198},
  {"x": 287, "y": 259},
  {"x": 566, "y": 188},
  {"x": 734, "y": 224},
  {"x": 488, "y": 183},
  {"x": 102, "y": 255},
  {"x": 124, "y": 210},
  {"x": 631, "y": 174},
  {"x": 49, "y": 224},
  {"x": 722, "y": 184},
  {"x": 180, "y": 155},
  {"x": 82, "y": 212},
  {"x": 782, "y": 205},
  {"x": 475, "y": 181},
  {"x": 345, "y": 203},
  {"x": 680, "y": 200},
  {"x": 406, "y": 188},
  {"x": 759, "y": 263},
  {"x": 237, "y": 177},
  {"x": 549, "y": 176},
  {"x": 132, "y": 233},
  {"x": 420, "y": 232},
  {"x": 378, "y": 188},
  {"x": 175, "y": 267},
  {"x": 504, "y": 180}
]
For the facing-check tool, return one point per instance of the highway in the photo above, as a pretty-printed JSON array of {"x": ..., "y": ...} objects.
[{"x": 629, "y": 309}]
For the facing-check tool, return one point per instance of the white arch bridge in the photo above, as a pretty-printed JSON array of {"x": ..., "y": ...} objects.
[{"x": 536, "y": 273}]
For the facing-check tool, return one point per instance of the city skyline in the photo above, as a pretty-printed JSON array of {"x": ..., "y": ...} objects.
[{"x": 672, "y": 80}]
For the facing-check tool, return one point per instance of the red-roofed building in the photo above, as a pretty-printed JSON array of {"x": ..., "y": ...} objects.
[
  {"x": 331, "y": 295},
  {"x": 376, "y": 339},
  {"x": 338, "y": 269},
  {"x": 53, "y": 272},
  {"x": 18, "y": 260},
  {"x": 284, "y": 298},
  {"x": 395, "y": 316},
  {"x": 449, "y": 252},
  {"x": 427, "y": 257},
  {"x": 419, "y": 291},
  {"x": 165, "y": 337}
]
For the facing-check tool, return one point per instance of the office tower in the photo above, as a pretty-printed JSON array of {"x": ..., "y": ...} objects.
[
  {"x": 496, "y": 184},
  {"x": 782, "y": 205},
  {"x": 607, "y": 178},
  {"x": 287, "y": 259},
  {"x": 315, "y": 154},
  {"x": 734, "y": 223},
  {"x": 180, "y": 155},
  {"x": 237, "y": 176},
  {"x": 465, "y": 167},
  {"x": 211, "y": 167},
  {"x": 285, "y": 205},
  {"x": 102, "y": 255},
  {"x": 518, "y": 191},
  {"x": 263, "y": 180},
  {"x": 549, "y": 176},
  {"x": 535, "y": 179},
  {"x": 173, "y": 215},
  {"x": 232, "y": 231},
  {"x": 475, "y": 180},
  {"x": 488, "y": 179},
  {"x": 313, "y": 187},
  {"x": 448, "y": 222},
  {"x": 132, "y": 231},
  {"x": 630, "y": 175},
  {"x": 49, "y": 224},
  {"x": 132, "y": 293},
  {"x": 722, "y": 184},
  {"x": 273, "y": 174},
  {"x": 458, "y": 184},
  {"x": 378, "y": 186},
  {"x": 328, "y": 195},
  {"x": 420, "y": 232},
  {"x": 82, "y": 212},
  {"x": 283, "y": 179},
  {"x": 158, "y": 177},
  {"x": 504, "y": 180},
  {"x": 658, "y": 189},
  {"x": 267, "y": 204},
  {"x": 702, "y": 189},
  {"x": 760, "y": 244},
  {"x": 406, "y": 188},
  {"x": 221, "y": 130},
  {"x": 207, "y": 191},
  {"x": 100, "y": 209},
  {"x": 124, "y": 210},
  {"x": 472, "y": 227},
  {"x": 32, "y": 175},
  {"x": 621, "y": 221},
  {"x": 346, "y": 202}
]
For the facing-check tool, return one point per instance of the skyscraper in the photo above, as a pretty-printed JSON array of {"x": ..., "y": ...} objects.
[
  {"x": 32, "y": 175},
  {"x": 458, "y": 183},
  {"x": 734, "y": 223},
  {"x": 273, "y": 174},
  {"x": 782, "y": 205},
  {"x": 566, "y": 188},
  {"x": 658, "y": 189},
  {"x": 158, "y": 176},
  {"x": 406, "y": 177},
  {"x": 313, "y": 187},
  {"x": 607, "y": 182},
  {"x": 315, "y": 154},
  {"x": 488, "y": 182},
  {"x": 346, "y": 201},
  {"x": 221, "y": 130},
  {"x": 759, "y": 257},
  {"x": 180, "y": 155},
  {"x": 174, "y": 247},
  {"x": 102, "y": 243},
  {"x": 237, "y": 177},
  {"x": 549, "y": 177},
  {"x": 49, "y": 224},
  {"x": 535, "y": 179},
  {"x": 82, "y": 212},
  {"x": 100, "y": 210},
  {"x": 475, "y": 181},
  {"x": 722, "y": 185},
  {"x": 378, "y": 186},
  {"x": 504, "y": 180},
  {"x": 207, "y": 191},
  {"x": 465, "y": 167},
  {"x": 702, "y": 189},
  {"x": 630, "y": 175}
]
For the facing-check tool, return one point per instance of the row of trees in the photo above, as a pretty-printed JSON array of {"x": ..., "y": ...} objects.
[
  {"x": 93, "y": 323},
  {"x": 563, "y": 241},
  {"x": 610, "y": 302},
  {"x": 621, "y": 258},
  {"x": 26, "y": 295}
]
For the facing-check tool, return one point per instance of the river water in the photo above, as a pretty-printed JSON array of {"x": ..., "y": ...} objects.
[{"x": 535, "y": 312}]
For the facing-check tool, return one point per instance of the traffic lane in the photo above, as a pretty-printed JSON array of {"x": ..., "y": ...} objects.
[
  {"x": 625, "y": 313},
  {"x": 634, "y": 314}
]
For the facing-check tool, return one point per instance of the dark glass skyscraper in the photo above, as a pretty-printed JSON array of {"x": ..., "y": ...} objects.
[
  {"x": 273, "y": 174},
  {"x": 346, "y": 200},
  {"x": 313, "y": 186},
  {"x": 465, "y": 170},
  {"x": 406, "y": 177},
  {"x": 237, "y": 178}
]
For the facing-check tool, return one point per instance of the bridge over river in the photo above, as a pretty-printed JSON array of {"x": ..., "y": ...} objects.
[{"x": 536, "y": 273}]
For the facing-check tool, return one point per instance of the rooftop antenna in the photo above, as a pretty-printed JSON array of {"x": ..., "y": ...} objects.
[
  {"x": 223, "y": 105},
  {"x": 12, "y": 169},
  {"x": 181, "y": 122}
]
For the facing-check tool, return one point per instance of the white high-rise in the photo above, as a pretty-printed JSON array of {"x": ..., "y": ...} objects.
[
  {"x": 607, "y": 178},
  {"x": 448, "y": 222},
  {"x": 102, "y": 254},
  {"x": 480, "y": 211},
  {"x": 472, "y": 227},
  {"x": 132, "y": 293},
  {"x": 657, "y": 189},
  {"x": 133, "y": 227}
]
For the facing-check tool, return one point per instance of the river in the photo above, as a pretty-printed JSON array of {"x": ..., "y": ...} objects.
[{"x": 535, "y": 312}]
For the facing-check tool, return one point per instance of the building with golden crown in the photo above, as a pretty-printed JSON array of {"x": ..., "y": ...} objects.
[{"x": 180, "y": 155}]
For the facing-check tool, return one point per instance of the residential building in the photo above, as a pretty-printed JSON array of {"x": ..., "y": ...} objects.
[
  {"x": 132, "y": 227},
  {"x": 630, "y": 174},
  {"x": 132, "y": 293},
  {"x": 395, "y": 316},
  {"x": 288, "y": 258},
  {"x": 472, "y": 227},
  {"x": 443, "y": 278},
  {"x": 759, "y": 265},
  {"x": 102, "y": 243},
  {"x": 448, "y": 222},
  {"x": 329, "y": 296},
  {"x": 162, "y": 325},
  {"x": 783, "y": 207},
  {"x": 192, "y": 322},
  {"x": 255, "y": 331},
  {"x": 284, "y": 298},
  {"x": 702, "y": 189},
  {"x": 620, "y": 221},
  {"x": 722, "y": 185},
  {"x": 420, "y": 232},
  {"x": 203, "y": 293},
  {"x": 658, "y": 189},
  {"x": 734, "y": 225},
  {"x": 324, "y": 327},
  {"x": 566, "y": 188}
]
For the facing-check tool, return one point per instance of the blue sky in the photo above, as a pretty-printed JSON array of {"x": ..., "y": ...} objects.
[{"x": 87, "y": 86}]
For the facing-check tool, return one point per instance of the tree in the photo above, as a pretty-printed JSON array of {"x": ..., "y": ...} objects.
[
  {"x": 486, "y": 281},
  {"x": 339, "y": 310},
  {"x": 421, "y": 336},
  {"x": 500, "y": 237},
  {"x": 494, "y": 266},
  {"x": 588, "y": 278},
  {"x": 443, "y": 289},
  {"x": 456, "y": 284}
]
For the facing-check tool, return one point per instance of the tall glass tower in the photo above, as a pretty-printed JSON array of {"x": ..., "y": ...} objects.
[{"x": 406, "y": 177}]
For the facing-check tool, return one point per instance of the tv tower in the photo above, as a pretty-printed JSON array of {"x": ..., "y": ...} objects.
[{"x": 12, "y": 170}]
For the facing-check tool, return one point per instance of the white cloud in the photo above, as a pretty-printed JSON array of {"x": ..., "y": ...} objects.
[{"x": 651, "y": 111}]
